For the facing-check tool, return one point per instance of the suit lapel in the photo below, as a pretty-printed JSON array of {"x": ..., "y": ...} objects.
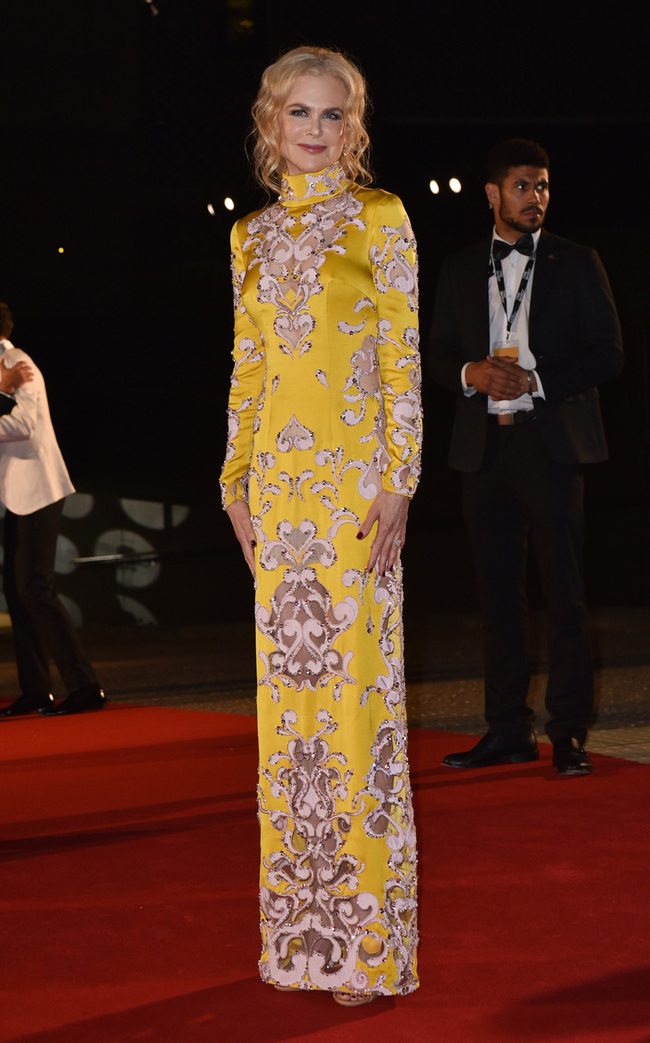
[
  {"x": 478, "y": 318},
  {"x": 546, "y": 271}
]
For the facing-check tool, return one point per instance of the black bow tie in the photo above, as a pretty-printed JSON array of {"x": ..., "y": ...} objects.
[{"x": 525, "y": 245}]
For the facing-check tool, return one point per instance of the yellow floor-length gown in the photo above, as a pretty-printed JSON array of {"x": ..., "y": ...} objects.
[{"x": 324, "y": 412}]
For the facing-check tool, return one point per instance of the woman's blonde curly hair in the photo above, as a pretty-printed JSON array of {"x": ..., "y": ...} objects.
[{"x": 277, "y": 81}]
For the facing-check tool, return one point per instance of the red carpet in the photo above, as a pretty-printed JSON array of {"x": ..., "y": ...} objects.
[{"x": 129, "y": 912}]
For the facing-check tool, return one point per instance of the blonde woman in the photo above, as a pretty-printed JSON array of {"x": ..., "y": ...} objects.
[{"x": 322, "y": 459}]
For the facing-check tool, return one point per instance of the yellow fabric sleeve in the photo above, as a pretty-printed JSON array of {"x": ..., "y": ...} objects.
[
  {"x": 393, "y": 257},
  {"x": 246, "y": 385}
]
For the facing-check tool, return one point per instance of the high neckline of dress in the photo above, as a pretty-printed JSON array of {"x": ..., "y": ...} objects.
[{"x": 297, "y": 189}]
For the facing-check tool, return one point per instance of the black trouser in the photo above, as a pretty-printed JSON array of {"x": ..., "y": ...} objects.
[
  {"x": 41, "y": 625},
  {"x": 522, "y": 491}
]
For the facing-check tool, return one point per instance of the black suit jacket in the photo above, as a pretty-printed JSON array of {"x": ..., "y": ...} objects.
[{"x": 574, "y": 334}]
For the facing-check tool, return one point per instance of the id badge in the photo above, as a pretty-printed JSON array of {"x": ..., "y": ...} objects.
[{"x": 506, "y": 349}]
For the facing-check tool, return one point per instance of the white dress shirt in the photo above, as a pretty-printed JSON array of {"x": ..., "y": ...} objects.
[{"x": 513, "y": 269}]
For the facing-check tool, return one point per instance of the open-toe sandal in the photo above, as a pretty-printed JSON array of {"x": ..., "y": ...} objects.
[{"x": 352, "y": 999}]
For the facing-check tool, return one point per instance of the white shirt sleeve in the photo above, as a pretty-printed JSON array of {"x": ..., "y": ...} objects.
[
  {"x": 540, "y": 387},
  {"x": 20, "y": 424},
  {"x": 467, "y": 390}
]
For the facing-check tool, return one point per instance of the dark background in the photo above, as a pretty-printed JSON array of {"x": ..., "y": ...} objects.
[{"x": 119, "y": 126}]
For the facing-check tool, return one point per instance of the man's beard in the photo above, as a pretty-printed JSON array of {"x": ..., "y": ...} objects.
[{"x": 518, "y": 226}]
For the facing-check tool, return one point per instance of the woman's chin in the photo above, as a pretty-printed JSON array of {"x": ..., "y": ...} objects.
[{"x": 310, "y": 165}]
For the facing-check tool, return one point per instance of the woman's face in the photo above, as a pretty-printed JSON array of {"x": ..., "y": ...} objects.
[{"x": 312, "y": 123}]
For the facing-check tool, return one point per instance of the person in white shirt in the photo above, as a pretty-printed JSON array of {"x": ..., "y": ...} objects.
[
  {"x": 34, "y": 482},
  {"x": 524, "y": 330}
]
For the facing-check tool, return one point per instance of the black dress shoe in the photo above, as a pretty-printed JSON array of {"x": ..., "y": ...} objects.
[
  {"x": 495, "y": 749},
  {"x": 84, "y": 700},
  {"x": 569, "y": 758},
  {"x": 27, "y": 704}
]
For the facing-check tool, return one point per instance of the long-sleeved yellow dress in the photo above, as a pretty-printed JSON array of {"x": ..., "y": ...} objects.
[{"x": 324, "y": 412}]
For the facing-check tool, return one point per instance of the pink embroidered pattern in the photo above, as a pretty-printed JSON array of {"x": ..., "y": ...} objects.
[
  {"x": 303, "y": 623},
  {"x": 316, "y": 922}
]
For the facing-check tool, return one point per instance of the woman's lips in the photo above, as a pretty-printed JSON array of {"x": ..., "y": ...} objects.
[{"x": 315, "y": 149}]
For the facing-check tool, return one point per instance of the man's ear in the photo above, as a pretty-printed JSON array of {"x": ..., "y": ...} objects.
[{"x": 492, "y": 193}]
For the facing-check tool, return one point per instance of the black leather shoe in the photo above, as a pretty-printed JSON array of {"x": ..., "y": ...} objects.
[
  {"x": 25, "y": 704},
  {"x": 82, "y": 701},
  {"x": 495, "y": 749},
  {"x": 569, "y": 758}
]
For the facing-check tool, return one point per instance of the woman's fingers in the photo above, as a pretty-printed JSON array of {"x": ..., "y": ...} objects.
[
  {"x": 387, "y": 551},
  {"x": 240, "y": 518},
  {"x": 390, "y": 510}
]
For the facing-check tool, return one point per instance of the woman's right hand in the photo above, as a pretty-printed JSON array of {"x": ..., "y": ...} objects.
[{"x": 240, "y": 518}]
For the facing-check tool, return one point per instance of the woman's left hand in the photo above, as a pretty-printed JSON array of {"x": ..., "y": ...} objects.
[{"x": 390, "y": 511}]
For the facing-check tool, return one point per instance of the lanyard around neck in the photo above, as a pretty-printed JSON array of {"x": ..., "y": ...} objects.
[{"x": 497, "y": 269}]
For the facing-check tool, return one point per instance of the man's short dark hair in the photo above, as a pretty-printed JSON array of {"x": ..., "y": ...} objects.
[
  {"x": 6, "y": 320},
  {"x": 514, "y": 152}
]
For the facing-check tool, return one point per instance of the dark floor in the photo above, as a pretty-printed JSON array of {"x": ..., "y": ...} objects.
[{"x": 213, "y": 668}]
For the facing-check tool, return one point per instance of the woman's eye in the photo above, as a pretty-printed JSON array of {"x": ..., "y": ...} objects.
[
  {"x": 332, "y": 115},
  {"x": 297, "y": 112}
]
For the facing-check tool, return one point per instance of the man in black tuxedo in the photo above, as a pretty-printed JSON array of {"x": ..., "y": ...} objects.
[{"x": 524, "y": 330}]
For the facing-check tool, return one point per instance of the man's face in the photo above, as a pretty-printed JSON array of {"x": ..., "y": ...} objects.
[{"x": 520, "y": 201}]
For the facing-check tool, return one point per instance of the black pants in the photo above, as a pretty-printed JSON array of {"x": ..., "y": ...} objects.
[
  {"x": 519, "y": 492},
  {"x": 41, "y": 624}
]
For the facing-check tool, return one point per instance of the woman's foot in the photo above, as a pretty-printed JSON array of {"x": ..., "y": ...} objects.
[
  {"x": 353, "y": 999},
  {"x": 285, "y": 988}
]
